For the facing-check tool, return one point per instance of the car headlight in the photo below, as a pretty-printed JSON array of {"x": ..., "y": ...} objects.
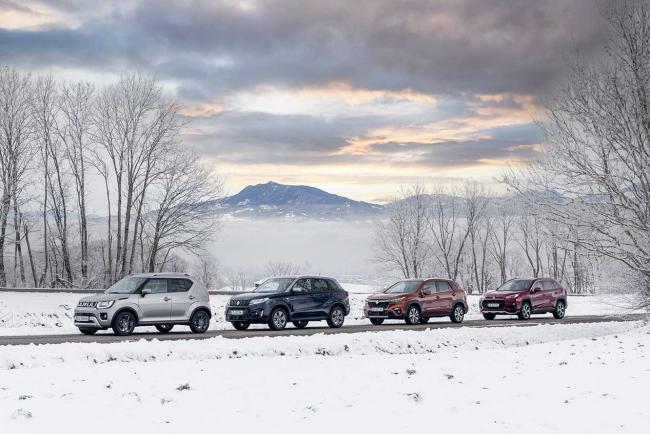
[
  {"x": 259, "y": 300},
  {"x": 105, "y": 304},
  {"x": 393, "y": 300}
]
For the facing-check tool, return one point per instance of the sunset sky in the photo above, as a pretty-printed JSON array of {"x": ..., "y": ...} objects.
[{"x": 355, "y": 97}]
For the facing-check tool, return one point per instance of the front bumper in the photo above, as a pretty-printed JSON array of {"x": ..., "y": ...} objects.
[
  {"x": 250, "y": 314},
  {"x": 391, "y": 311},
  {"x": 92, "y": 318},
  {"x": 505, "y": 306}
]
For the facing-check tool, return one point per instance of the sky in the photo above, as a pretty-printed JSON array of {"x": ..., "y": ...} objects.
[{"x": 355, "y": 97}]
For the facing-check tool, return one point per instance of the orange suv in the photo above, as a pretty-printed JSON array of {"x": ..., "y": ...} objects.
[{"x": 417, "y": 300}]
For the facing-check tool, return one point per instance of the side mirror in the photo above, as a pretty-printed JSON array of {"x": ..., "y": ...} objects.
[{"x": 145, "y": 291}]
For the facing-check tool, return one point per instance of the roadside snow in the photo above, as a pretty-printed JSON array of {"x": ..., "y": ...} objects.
[
  {"x": 562, "y": 378},
  {"x": 24, "y": 313}
]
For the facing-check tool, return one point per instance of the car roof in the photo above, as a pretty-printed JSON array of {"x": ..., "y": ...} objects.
[{"x": 164, "y": 274}]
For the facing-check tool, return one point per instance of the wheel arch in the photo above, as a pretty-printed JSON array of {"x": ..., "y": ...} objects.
[
  {"x": 126, "y": 309},
  {"x": 198, "y": 308}
]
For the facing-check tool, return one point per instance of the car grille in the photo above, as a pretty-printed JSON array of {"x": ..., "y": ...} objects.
[
  {"x": 377, "y": 303},
  {"x": 501, "y": 304},
  {"x": 87, "y": 304},
  {"x": 238, "y": 303}
]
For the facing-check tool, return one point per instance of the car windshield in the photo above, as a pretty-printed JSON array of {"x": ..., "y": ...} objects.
[
  {"x": 275, "y": 285},
  {"x": 128, "y": 285},
  {"x": 404, "y": 287},
  {"x": 515, "y": 285}
]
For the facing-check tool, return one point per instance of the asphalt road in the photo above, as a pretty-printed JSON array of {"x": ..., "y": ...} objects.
[{"x": 316, "y": 328}]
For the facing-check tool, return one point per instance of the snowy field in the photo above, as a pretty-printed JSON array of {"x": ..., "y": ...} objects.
[
  {"x": 43, "y": 313},
  {"x": 579, "y": 378}
]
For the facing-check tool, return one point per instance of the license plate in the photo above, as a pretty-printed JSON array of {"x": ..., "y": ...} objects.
[
  {"x": 82, "y": 318},
  {"x": 236, "y": 312},
  {"x": 493, "y": 305},
  {"x": 376, "y": 309}
]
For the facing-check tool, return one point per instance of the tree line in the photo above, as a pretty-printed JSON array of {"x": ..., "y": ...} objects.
[{"x": 63, "y": 141}]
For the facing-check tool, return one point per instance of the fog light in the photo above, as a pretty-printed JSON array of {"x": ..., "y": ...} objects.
[
  {"x": 398, "y": 311},
  {"x": 103, "y": 316}
]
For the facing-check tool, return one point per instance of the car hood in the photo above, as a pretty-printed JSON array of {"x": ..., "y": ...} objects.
[
  {"x": 253, "y": 295},
  {"x": 500, "y": 294},
  {"x": 106, "y": 297},
  {"x": 381, "y": 296}
]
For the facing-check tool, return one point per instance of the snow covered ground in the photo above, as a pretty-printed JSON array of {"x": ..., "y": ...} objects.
[
  {"x": 45, "y": 313},
  {"x": 550, "y": 378}
]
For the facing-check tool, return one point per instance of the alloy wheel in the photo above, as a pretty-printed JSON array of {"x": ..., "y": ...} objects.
[
  {"x": 337, "y": 316},
  {"x": 459, "y": 313},
  {"x": 414, "y": 315},
  {"x": 125, "y": 323},
  {"x": 525, "y": 311},
  {"x": 279, "y": 319}
]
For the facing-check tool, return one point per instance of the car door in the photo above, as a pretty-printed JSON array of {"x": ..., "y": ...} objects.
[
  {"x": 550, "y": 287},
  {"x": 322, "y": 296},
  {"x": 444, "y": 297},
  {"x": 182, "y": 298},
  {"x": 537, "y": 296},
  {"x": 428, "y": 297},
  {"x": 155, "y": 306},
  {"x": 302, "y": 299}
]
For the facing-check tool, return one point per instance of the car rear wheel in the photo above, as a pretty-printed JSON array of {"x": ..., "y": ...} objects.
[
  {"x": 87, "y": 331},
  {"x": 377, "y": 321},
  {"x": 560, "y": 310},
  {"x": 525, "y": 311},
  {"x": 278, "y": 319},
  {"x": 300, "y": 324},
  {"x": 458, "y": 314},
  {"x": 124, "y": 323},
  {"x": 489, "y": 316},
  {"x": 164, "y": 328},
  {"x": 199, "y": 321},
  {"x": 241, "y": 325},
  {"x": 413, "y": 315},
  {"x": 336, "y": 318}
]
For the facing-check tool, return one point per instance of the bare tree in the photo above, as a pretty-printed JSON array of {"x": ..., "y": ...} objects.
[
  {"x": 501, "y": 237},
  {"x": 531, "y": 240},
  {"x": 16, "y": 147},
  {"x": 447, "y": 231},
  {"x": 282, "y": 268},
  {"x": 477, "y": 204},
  {"x": 75, "y": 106},
  {"x": 595, "y": 170},
  {"x": 180, "y": 219},
  {"x": 207, "y": 271},
  {"x": 400, "y": 242}
]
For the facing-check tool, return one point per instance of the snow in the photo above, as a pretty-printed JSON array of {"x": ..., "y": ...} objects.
[
  {"x": 51, "y": 313},
  {"x": 548, "y": 378}
]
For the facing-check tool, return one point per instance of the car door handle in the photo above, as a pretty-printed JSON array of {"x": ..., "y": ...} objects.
[
  {"x": 437, "y": 297},
  {"x": 192, "y": 297},
  {"x": 166, "y": 298}
]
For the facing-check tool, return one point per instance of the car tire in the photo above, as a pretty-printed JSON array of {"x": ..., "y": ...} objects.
[
  {"x": 377, "y": 321},
  {"x": 413, "y": 315},
  {"x": 87, "y": 331},
  {"x": 300, "y": 324},
  {"x": 424, "y": 319},
  {"x": 278, "y": 319},
  {"x": 123, "y": 323},
  {"x": 489, "y": 316},
  {"x": 241, "y": 325},
  {"x": 200, "y": 321},
  {"x": 458, "y": 314},
  {"x": 560, "y": 310},
  {"x": 525, "y": 311},
  {"x": 164, "y": 328},
  {"x": 336, "y": 317}
]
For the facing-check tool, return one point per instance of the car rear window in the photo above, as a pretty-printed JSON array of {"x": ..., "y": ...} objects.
[
  {"x": 442, "y": 286},
  {"x": 179, "y": 285}
]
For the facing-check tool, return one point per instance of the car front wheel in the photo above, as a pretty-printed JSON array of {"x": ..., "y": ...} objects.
[
  {"x": 560, "y": 310},
  {"x": 413, "y": 315},
  {"x": 278, "y": 319},
  {"x": 199, "y": 321},
  {"x": 336, "y": 318},
  {"x": 241, "y": 325},
  {"x": 524, "y": 312},
  {"x": 124, "y": 323}
]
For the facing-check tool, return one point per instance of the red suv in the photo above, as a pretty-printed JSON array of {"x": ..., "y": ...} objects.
[
  {"x": 417, "y": 300},
  {"x": 524, "y": 297}
]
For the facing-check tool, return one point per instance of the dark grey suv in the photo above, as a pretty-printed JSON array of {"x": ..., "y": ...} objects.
[
  {"x": 280, "y": 300},
  {"x": 155, "y": 299}
]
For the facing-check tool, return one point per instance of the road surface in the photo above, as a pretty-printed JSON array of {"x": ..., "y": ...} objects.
[{"x": 316, "y": 328}]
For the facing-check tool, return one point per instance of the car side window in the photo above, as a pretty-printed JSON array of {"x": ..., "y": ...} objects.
[
  {"x": 157, "y": 286},
  {"x": 320, "y": 285},
  {"x": 303, "y": 285},
  {"x": 333, "y": 286},
  {"x": 548, "y": 284},
  {"x": 538, "y": 285},
  {"x": 179, "y": 285},
  {"x": 442, "y": 286},
  {"x": 429, "y": 287}
]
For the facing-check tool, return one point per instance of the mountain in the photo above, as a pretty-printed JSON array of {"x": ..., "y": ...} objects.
[{"x": 293, "y": 201}]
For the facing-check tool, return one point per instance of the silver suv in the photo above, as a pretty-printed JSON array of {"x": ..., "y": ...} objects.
[{"x": 154, "y": 299}]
